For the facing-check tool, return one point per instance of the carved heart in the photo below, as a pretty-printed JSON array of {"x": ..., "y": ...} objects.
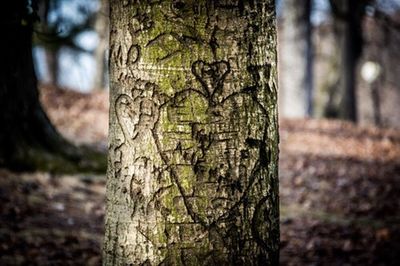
[
  {"x": 211, "y": 77},
  {"x": 212, "y": 152},
  {"x": 139, "y": 108},
  {"x": 128, "y": 115}
]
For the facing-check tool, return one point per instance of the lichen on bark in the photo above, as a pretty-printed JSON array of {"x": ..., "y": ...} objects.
[{"x": 192, "y": 177}]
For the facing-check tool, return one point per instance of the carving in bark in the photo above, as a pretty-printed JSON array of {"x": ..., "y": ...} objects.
[{"x": 192, "y": 176}]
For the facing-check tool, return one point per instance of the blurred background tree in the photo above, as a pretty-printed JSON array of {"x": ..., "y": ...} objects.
[
  {"x": 28, "y": 140},
  {"x": 72, "y": 36},
  {"x": 296, "y": 52},
  {"x": 323, "y": 46}
]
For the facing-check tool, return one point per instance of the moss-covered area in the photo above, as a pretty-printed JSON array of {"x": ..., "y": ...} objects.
[{"x": 173, "y": 42}]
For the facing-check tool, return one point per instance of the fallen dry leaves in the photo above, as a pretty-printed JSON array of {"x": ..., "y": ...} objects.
[{"x": 339, "y": 187}]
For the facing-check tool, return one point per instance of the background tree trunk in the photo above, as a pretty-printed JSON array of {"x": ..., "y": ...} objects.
[
  {"x": 101, "y": 27},
  {"x": 193, "y": 158},
  {"x": 296, "y": 60},
  {"x": 332, "y": 84},
  {"x": 348, "y": 17},
  {"x": 52, "y": 50},
  {"x": 52, "y": 62},
  {"x": 351, "y": 53}
]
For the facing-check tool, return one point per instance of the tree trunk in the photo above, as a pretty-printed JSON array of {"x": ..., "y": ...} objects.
[
  {"x": 51, "y": 50},
  {"x": 329, "y": 105},
  {"x": 350, "y": 57},
  {"x": 101, "y": 27},
  {"x": 193, "y": 159},
  {"x": 348, "y": 19},
  {"x": 296, "y": 77},
  {"x": 52, "y": 65},
  {"x": 28, "y": 140}
]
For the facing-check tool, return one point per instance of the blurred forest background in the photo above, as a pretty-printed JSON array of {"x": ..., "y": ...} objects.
[{"x": 339, "y": 89}]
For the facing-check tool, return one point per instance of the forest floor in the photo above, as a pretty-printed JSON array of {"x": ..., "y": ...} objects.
[{"x": 339, "y": 187}]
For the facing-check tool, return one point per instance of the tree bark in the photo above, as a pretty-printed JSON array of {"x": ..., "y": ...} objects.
[
  {"x": 193, "y": 159},
  {"x": 296, "y": 60}
]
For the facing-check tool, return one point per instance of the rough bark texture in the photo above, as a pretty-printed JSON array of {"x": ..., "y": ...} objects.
[
  {"x": 296, "y": 84},
  {"x": 192, "y": 177}
]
